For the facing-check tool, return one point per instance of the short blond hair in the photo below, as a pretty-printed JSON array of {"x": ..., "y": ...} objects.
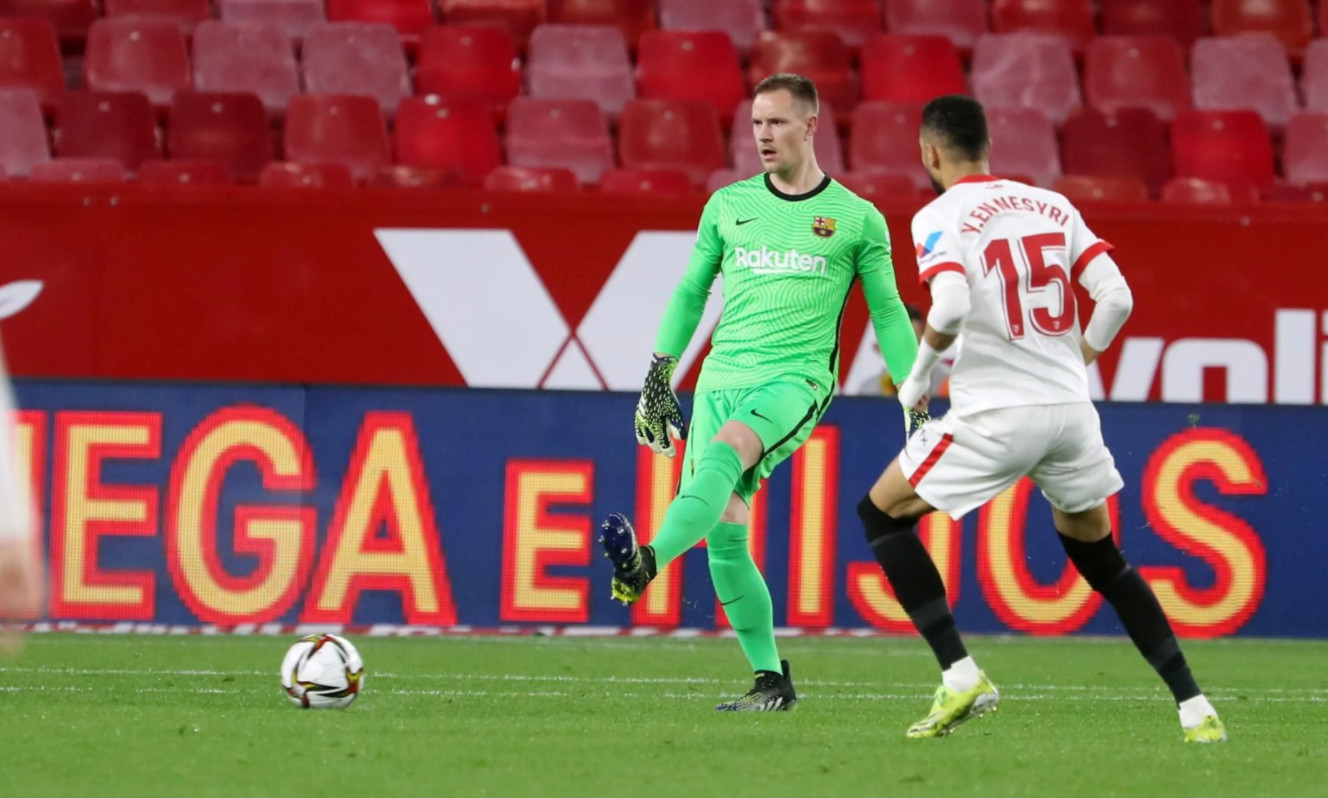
[{"x": 801, "y": 87}]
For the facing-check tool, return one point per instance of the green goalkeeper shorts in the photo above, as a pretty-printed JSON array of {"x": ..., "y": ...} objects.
[{"x": 783, "y": 414}]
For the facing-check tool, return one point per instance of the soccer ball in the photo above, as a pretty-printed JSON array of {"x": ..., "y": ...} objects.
[{"x": 322, "y": 672}]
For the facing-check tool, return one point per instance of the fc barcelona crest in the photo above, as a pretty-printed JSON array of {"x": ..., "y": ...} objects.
[{"x": 823, "y": 226}]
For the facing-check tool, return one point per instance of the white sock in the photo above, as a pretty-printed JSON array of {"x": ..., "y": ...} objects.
[
  {"x": 1194, "y": 710},
  {"x": 962, "y": 676}
]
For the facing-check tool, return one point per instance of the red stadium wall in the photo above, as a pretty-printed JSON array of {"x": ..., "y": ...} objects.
[{"x": 455, "y": 288}]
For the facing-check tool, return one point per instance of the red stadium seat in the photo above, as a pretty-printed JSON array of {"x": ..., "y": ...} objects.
[
  {"x": 632, "y": 17},
  {"x": 645, "y": 182},
  {"x": 853, "y": 20},
  {"x": 820, "y": 55},
  {"x": 1288, "y": 20},
  {"x": 1071, "y": 20},
  {"x": 725, "y": 177},
  {"x": 673, "y": 65},
  {"x": 78, "y": 170},
  {"x": 24, "y": 144},
  {"x": 672, "y": 134},
  {"x": 960, "y": 21},
  {"x": 1023, "y": 142},
  {"x": 356, "y": 58},
  {"x": 184, "y": 173},
  {"x": 1283, "y": 192},
  {"x": 1305, "y": 159},
  {"x": 571, "y": 134},
  {"x": 186, "y": 14},
  {"x": 401, "y": 176},
  {"x": 1086, "y": 188},
  {"x": 740, "y": 19},
  {"x": 290, "y": 174},
  {"x": 581, "y": 61},
  {"x": 875, "y": 185},
  {"x": 117, "y": 126},
  {"x": 910, "y": 69},
  {"x": 30, "y": 58},
  {"x": 1222, "y": 145},
  {"x": 884, "y": 139},
  {"x": 1197, "y": 191},
  {"x": 746, "y": 158},
  {"x": 530, "y": 180},
  {"x": 1249, "y": 71},
  {"x": 294, "y": 17},
  {"x": 456, "y": 135},
  {"x": 1129, "y": 142},
  {"x": 137, "y": 54},
  {"x": 256, "y": 59},
  {"x": 1025, "y": 70},
  {"x": 459, "y": 62},
  {"x": 410, "y": 18},
  {"x": 1314, "y": 80},
  {"x": 519, "y": 16},
  {"x": 344, "y": 129},
  {"x": 1146, "y": 71},
  {"x": 70, "y": 18},
  {"x": 1182, "y": 20},
  {"x": 226, "y": 129}
]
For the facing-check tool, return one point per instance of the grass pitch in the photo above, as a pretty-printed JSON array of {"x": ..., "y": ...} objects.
[{"x": 518, "y": 716}]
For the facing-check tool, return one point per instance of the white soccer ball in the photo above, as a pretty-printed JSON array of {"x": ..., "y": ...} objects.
[{"x": 322, "y": 672}]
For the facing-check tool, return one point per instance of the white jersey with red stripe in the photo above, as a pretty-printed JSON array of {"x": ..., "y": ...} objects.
[{"x": 1021, "y": 248}]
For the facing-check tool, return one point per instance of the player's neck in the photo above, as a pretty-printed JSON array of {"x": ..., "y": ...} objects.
[
  {"x": 800, "y": 179},
  {"x": 958, "y": 171}
]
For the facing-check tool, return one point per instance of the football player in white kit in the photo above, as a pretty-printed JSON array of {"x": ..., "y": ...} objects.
[
  {"x": 999, "y": 257},
  {"x": 21, "y": 574}
]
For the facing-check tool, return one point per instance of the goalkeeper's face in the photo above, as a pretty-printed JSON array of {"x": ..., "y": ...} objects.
[{"x": 784, "y": 128}]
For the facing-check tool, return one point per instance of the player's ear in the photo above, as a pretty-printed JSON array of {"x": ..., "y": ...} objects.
[{"x": 813, "y": 122}]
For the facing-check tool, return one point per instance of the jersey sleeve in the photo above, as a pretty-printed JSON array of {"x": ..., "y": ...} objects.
[
  {"x": 685, "y": 308},
  {"x": 1084, "y": 246},
  {"x": 889, "y": 317},
  {"x": 936, "y": 244}
]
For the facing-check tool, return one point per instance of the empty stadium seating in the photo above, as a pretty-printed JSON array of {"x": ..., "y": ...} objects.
[
  {"x": 356, "y": 58},
  {"x": 700, "y": 65},
  {"x": 1127, "y": 71},
  {"x": 23, "y": 143},
  {"x": 672, "y": 134},
  {"x": 462, "y": 62},
  {"x": 572, "y": 134},
  {"x": 78, "y": 170},
  {"x": 252, "y": 58},
  {"x": 1168, "y": 87},
  {"x": 184, "y": 173},
  {"x": 1086, "y": 188},
  {"x": 581, "y": 61},
  {"x": 458, "y": 135},
  {"x": 961, "y": 21},
  {"x": 228, "y": 129},
  {"x": 1025, "y": 70},
  {"x": 343, "y": 129},
  {"x": 530, "y": 180},
  {"x": 910, "y": 69},
  {"x": 30, "y": 57},
  {"x": 294, "y": 174},
  {"x": 645, "y": 182}
]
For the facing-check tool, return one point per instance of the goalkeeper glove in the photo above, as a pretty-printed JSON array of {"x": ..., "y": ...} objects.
[{"x": 658, "y": 414}]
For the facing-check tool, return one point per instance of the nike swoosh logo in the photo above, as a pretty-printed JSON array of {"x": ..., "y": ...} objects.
[
  {"x": 730, "y": 601},
  {"x": 763, "y": 418},
  {"x": 741, "y": 222}
]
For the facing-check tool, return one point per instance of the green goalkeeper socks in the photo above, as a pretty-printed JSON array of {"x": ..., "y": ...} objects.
[
  {"x": 743, "y": 592},
  {"x": 695, "y": 511}
]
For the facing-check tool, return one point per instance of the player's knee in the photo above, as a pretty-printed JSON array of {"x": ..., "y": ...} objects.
[
  {"x": 876, "y": 523},
  {"x": 726, "y": 542},
  {"x": 1100, "y": 562}
]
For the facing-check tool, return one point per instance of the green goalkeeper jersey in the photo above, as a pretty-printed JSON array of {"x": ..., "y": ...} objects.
[{"x": 788, "y": 263}]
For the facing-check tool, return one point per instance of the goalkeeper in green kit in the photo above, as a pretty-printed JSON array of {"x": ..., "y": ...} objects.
[{"x": 790, "y": 243}]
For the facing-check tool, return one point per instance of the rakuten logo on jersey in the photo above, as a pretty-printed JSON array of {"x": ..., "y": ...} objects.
[{"x": 768, "y": 261}]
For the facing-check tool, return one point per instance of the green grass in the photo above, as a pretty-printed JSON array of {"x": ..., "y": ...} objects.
[{"x": 109, "y": 715}]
